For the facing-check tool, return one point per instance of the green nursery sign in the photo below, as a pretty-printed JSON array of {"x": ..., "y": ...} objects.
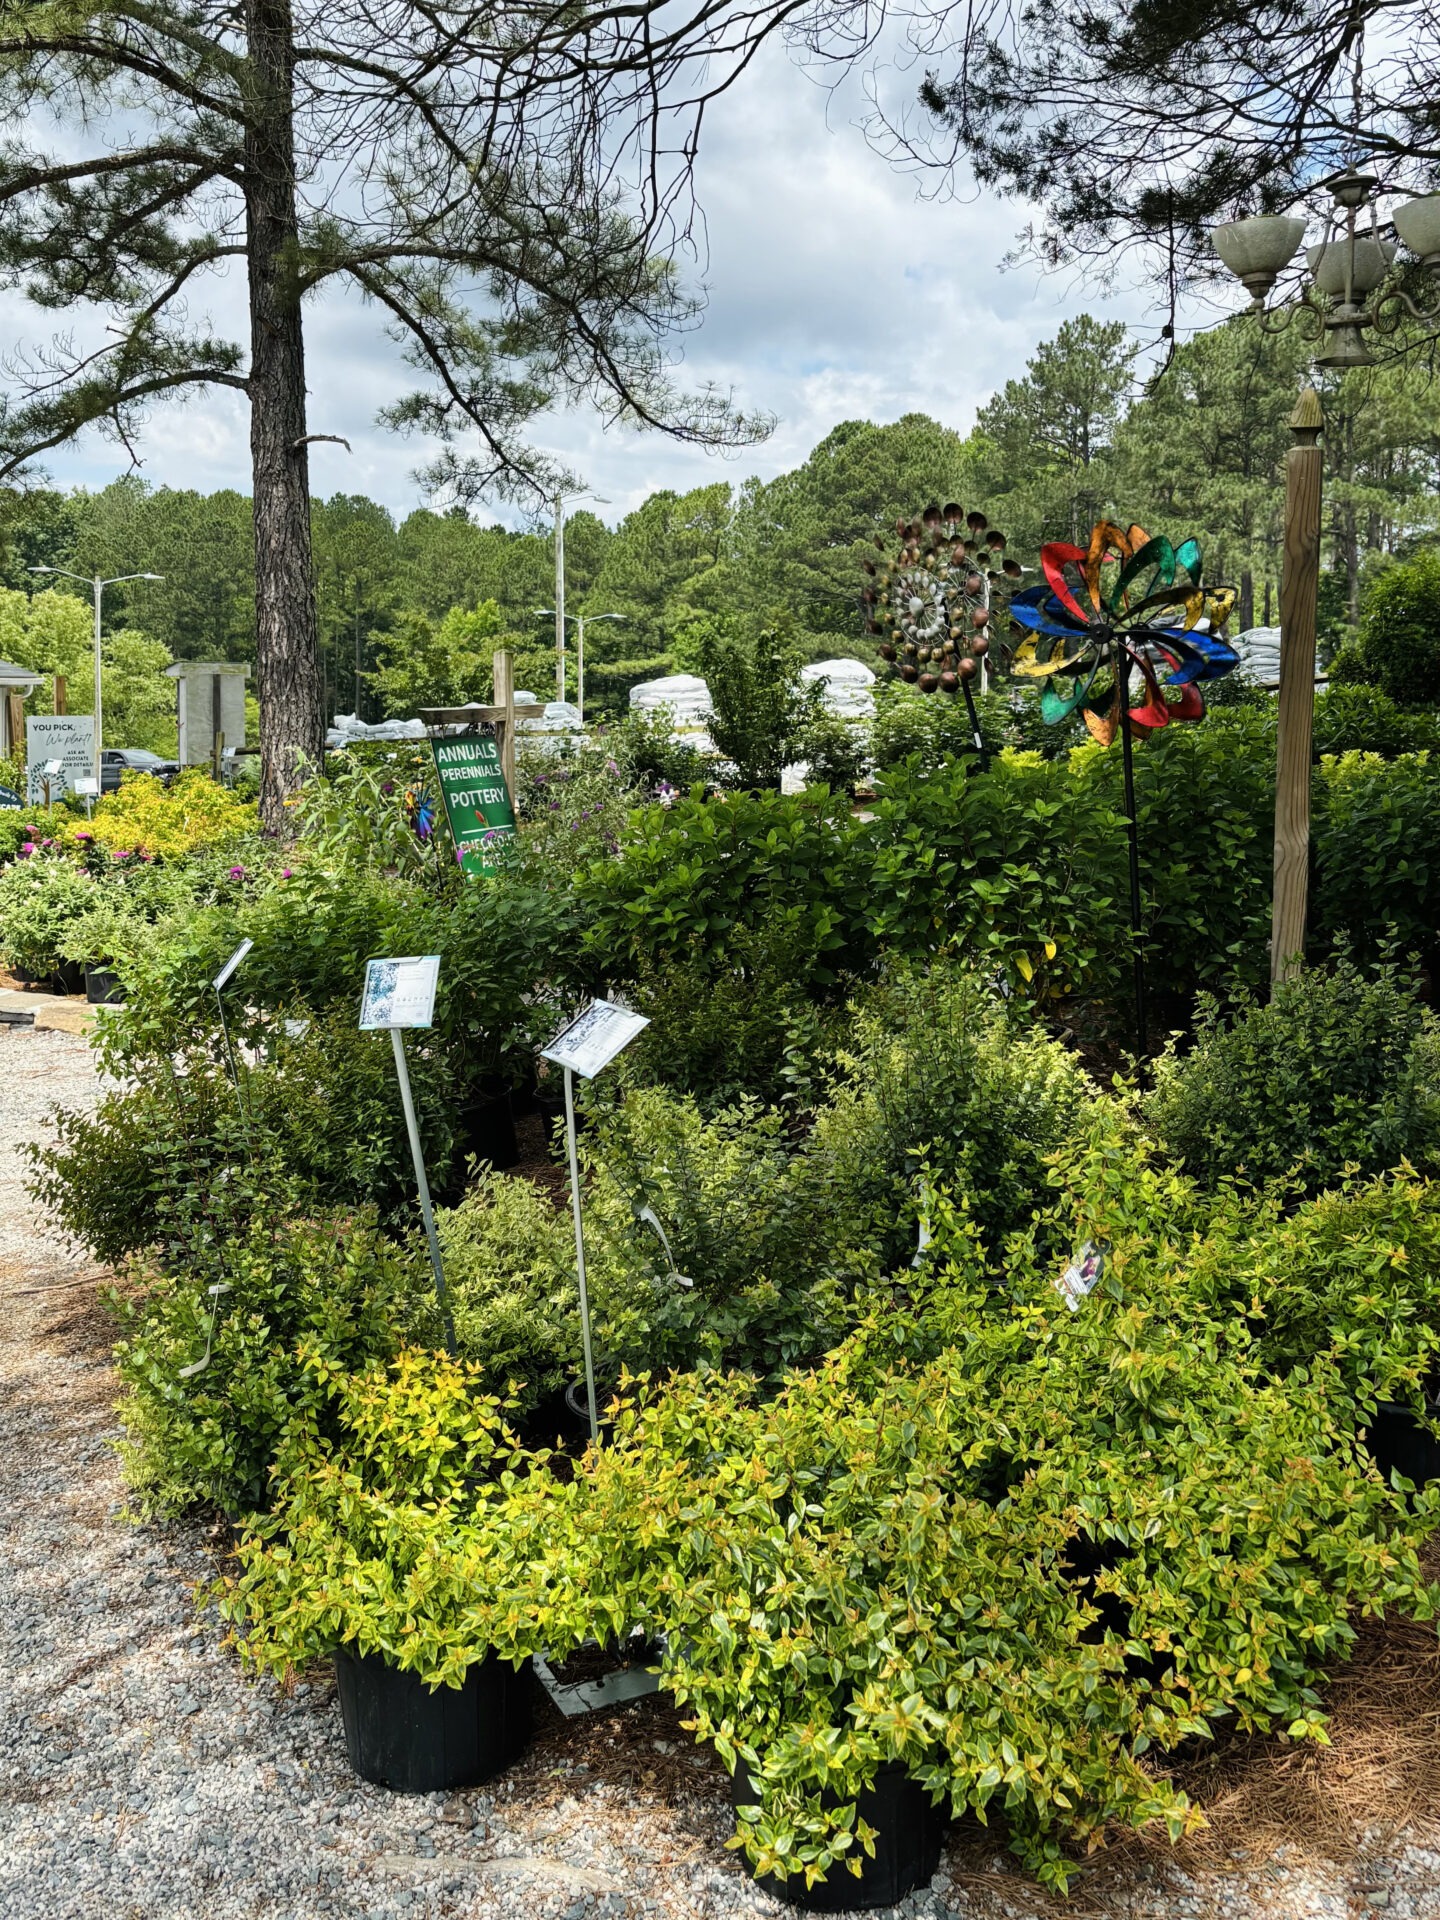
[{"x": 477, "y": 801}]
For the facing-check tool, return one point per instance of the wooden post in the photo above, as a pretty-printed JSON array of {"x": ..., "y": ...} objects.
[
  {"x": 1295, "y": 717},
  {"x": 62, "y": 697},
  {"x": 15, "y": 702},
  {"x": 504, "y": 700}
]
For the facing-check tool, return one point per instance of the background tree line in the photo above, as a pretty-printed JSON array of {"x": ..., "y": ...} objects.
[{"x": 410, "y": 610}]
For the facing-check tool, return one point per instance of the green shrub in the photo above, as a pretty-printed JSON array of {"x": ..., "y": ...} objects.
[
  {"x": 1377, "y": 854},
  {"x": 41, "y": 896},
  {"x": 741, "y": 1225},
  {"x": 509, "y": 1259},
  {"x": 937, "y": 1077},
  {"x": 835, "y": 753},
  {"x": 1362, "y": 719},
  {"x": 1020, "y": 870},
  {"x": 1205, "y": 804},
  {"x": 761, "y": 709},
  {"x": 1338, "y": 1069},
  {"x": 331, "y": 1282},
  {"x": 646, "y": 746},
  {"x": 1398, "y": 645},
  {"x": 692, "y": 879}
]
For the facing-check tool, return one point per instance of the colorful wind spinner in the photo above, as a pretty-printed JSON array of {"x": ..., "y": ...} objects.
[{"x": 1126, "y": 602}]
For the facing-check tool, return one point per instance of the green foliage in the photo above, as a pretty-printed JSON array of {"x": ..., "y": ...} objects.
[
  {"x": 328, "y": 1281},
  {"x": 692, "y": 879},
  {"x": 401, "y": 1529},
  {"x": 1398, "y": 645},
  {"x": 937, "y": 1080},
  {"x": 422, "y": 663},
  {"x": 742, "y": 1224},
  {"x": 1338, "y": 1069},
  {"x": 509, "y": 1257},
  {"x": 1362, "y": 719},
  {"x": 886, "y": 1571},
  {"x": 41, "y": 895},
  {"x": 646, "y": 746},
  {"x": 1020, "y": 870},
  {"x": 1377, "y": 859},
  {"x": 1205, "y": 799},
  {"x": 834, "y": 752},
  {"x": 573, "y": 805},
  {"x": 761, "y": 709}
]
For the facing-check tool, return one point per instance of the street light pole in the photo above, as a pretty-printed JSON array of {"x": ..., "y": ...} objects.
[
  {"x": 1295, "y": 702},
  {"x": 580, "y": 620},
  {"x": 559, "y": 609},
  {"x": 97, "y": 587}
]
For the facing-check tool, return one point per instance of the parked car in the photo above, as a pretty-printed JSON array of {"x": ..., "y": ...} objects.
[{"x": 115, "y": 761}]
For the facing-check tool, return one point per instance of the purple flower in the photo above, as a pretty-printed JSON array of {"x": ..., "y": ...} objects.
[
  {"x": 554, "y": 806},
  {"x": 27, "y": 848},
  {"x": 542, "y": 779},
  {"x": 237, "y": 873},
  {"x": 286, "y": 873},
  {"x": 459, "y": 856},
  {"x": 84, "y": 836},
  {"x": 125, "y": 855},
  {"x": 610, "y": 767},
  {"x": 388, "y": 787}
]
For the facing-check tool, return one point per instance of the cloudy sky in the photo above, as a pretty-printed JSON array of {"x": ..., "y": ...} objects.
[{"x": 836, "y": 291}]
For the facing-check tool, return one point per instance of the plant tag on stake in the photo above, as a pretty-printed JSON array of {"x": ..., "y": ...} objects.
[
  {"x": 399, "y": 993},
  {"x": 1081, "y": 1276},
  {"x": 586, "y": 1044},
  {"x": 222, "y": 978},
  {"x": 594, "y": 1037}
]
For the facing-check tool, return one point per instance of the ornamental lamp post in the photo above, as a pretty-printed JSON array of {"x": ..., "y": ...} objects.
[{"x": 1354, "y": 290}]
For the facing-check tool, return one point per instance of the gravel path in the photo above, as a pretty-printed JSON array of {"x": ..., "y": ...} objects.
[{"x": 144, "y": 1777}]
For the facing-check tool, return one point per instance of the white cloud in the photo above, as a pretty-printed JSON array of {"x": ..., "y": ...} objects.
[{"x": 835, "y": 292}]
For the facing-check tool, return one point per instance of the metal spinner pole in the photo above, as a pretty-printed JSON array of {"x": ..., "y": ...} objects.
[
  {"x": 1142, "y": 1024},
  {"x": 580, "y": 1253},
  {"x": 975, "y": 732},
  {"x": 402, "y": 1071}
]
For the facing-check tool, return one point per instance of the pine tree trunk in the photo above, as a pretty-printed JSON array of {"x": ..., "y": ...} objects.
[
  {"x": 1247, "y": 599},
  {"x": 287, "y": 660}
]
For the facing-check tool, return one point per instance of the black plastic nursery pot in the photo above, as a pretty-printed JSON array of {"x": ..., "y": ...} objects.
[
  {"x": 1397, "y": 1439},
  {"x": 402, "y": 1735},
  {"x": 487, "y": 1129},
  {"x": 909, "y": 1833},
  {"x": 102, "y": 987}
]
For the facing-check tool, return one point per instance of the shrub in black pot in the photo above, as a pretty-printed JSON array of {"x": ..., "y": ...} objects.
[
  {"x": 909, "y": 1833},
  {"x": 103, "y": 987},
  {"x": 392, "y": 1550},
  {"x": 401, "y": 1734}
]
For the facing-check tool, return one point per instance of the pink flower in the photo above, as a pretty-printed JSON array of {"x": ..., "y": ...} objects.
[
  {"x": 27, "y": 848},
  {"x": 237, "y": 873},
  {"x": 285, "y": 873}
]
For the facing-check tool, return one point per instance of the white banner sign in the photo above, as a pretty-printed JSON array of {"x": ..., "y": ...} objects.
[
  {"x": 66, "y": 737},
  {"x": 399, "y": 993}
]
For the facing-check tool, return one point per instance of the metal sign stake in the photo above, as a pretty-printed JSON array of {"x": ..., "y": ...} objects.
[
  {"x": 580, "y": 1252},
  {"x": 235, "y": 1077},
  {"x": 427, "y": 1215}
]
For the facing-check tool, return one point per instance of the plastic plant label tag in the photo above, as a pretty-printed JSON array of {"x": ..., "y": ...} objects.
[
  {"x": 1080, "y": 1277},
  {"x": 399, "y": 993},
  {"x": 222, "y": 978},
  {"x": 594, "y": 1037}
]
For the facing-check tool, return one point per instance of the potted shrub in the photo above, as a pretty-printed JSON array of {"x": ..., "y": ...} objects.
[
  {"x": 871, "y": 1575},
  {"x": 392, "y": 1549},
  {"x": 40, "y": 896}
]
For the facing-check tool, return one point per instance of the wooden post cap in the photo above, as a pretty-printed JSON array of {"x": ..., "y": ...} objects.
[{"x": 1307, "y": 421}]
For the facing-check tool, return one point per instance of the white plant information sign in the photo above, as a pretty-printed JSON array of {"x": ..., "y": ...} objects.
[
  {"x": 593, "y": 1038},
  {"x": 399, "y": 993},
  {"x": 1080, "y": 1277},
  {"x": 66, "y": 737}
]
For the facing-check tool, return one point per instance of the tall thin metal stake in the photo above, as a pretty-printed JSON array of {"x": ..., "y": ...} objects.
[
  {"x": 580, "y": 1252},
  {"x": 235, "y": 1077},
  {"x": 402, "y": 1071},
  {"x": 1127, "y": 759},
  {"x": 975, "y": 733}
]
